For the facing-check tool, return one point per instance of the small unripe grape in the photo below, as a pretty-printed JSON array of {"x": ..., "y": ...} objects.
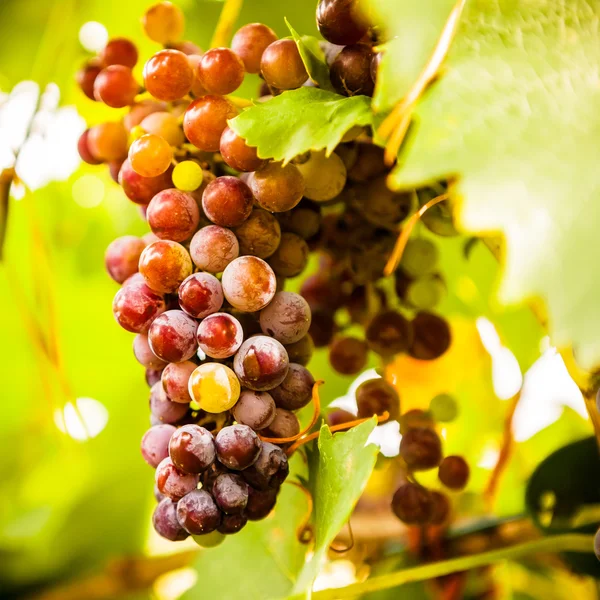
[
  {"x": 150, "y": 155},
  {"x": 454, "y": 472},
  {"x": 164, "y": 124},
  {"x": 163, "y": 23},
  {"x": 443, "y": 408},
  {"x": 421, "y": 449},
  {"x": 209, "y": 540},
  {"x": 249, "y": 43},
  {"x": 220, "y": 71},
  {"x": 168, "y": 75},
  {"x": 214, "y": 387},
  {"x": 420, "y": 257},
  {"x": 425, "y": 292},
  {"x": 187, "y": 176},
  {"x": 282, "y": 67},
  {"x": 324, "y": 176}
]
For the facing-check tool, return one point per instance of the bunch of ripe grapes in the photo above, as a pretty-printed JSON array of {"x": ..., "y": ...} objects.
[{"x": 224, "y": 346}]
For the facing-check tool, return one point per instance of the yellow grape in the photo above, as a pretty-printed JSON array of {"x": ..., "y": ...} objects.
[
  {"x": 187, "y": 176},
  {"x": 214, "y": 387},
  {"x": 150, "y": 155},
  {"x": 164, "y": 22},
  {"x": 136, "y": 133},
  {"x": 166, "y": 126}
]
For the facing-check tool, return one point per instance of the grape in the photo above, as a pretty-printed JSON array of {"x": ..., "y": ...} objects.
[
  {"x": 431, "y": 338},
  {"x": 340, "y": 21},
  {"x": 86, "y": 76},
  {"x": 412, "y": 504},
  {"x": 200, "y": 295},
  {"x": 350, "y": 72},
  {"x": 324, "y": 176},
  {"x": 348, "y": 355},
  {"x": 365, "y": 302},
  {"x": 260, "y": 503},
  {"x": 197, "y": 512},
  {"x": 135, "y": 306},
  {"x": 187, "y": 47},
  {"x": 175, "y": 380},
  {"x": 140, "y": 110},
  {"x": 108, "y": 141},
  {"x": 375, "y": 62},
  {"x": 168, "y": 75},
  {"x": 238, "y": 447},
  {"x": 173, "y": 483},
  {"x": 304, "y": 221},
  {"x": 165, "y": 125},
  {"x": 375, "y": 396},
  {"x": 163, "y": 23},
  {"x": 164, "y": 409},
  {"x": 142, "y": 189},
  {"x": 164, "y": 265},
  {"x": 340, "y": 416},
  {"x": 438, "y": 218},
  {"x": 230, "y": 493},
  {"x": 301, "y": 351},
  {"x": 119, "y": 51},
  {"x": 188, "y": 176},
  {"x": 192, "y": 449},
  {"x": 454, "y": 472},
  {"x": 420, "y": 257},
  {"x": 250, "y": 42},
  {"x": 383, "y": 207},
  {"x": 281, "y": 65},
  {"x": 322, "y": 328},
  {"x": 248, "y": 283},
  {"x": 369, "y": 163},
  {"x": 212, "y": 248},
  {"x": 259, "y": 234},
  {"x": 268, "y": 472},
  {"x": 157, "y": 495},
  {"x": 122, "y": 257},
  {"x": 150, "y": 155},
  {"x": 173, "y": 215},
  {"x": 165, "y": 521},
  {"x": 389, "y": 333},
  {"x": 155, "y": 444},
  {"x": 144, "y": 355},
  {"x": 425, "y": 292},
  {"x": 172, "y": 336},
  {"x": 255, "y": 409},
  {"x": 220, "y": 335},
  {"x": 227, "y": 201},
  {"x": 214, "y": 387},
  {"x": 443, "y": 408},
  {"x": 237, "y": 154},
  {"x": 322, "y": 292},
  {"x": 421, "y": 449},
  {"x": 261, "y": 363},
  {"x": 441, "y": 508},
  {"x": 232, "y": 523},
  {"x": 295, "y": 391},
  {"x": 114, "y": 166},
  {"x": 197, "y": 87},
  {"x": 284, "y": 425},
  {"x": 220, "y": 71},
  {"x": 415, "y": 419},
  {"x": 277, "y": 188},
  {"x": 116, "y": 86},
  {"x": 205, "y": 120},
  {"x": 152, "y": 376},
  {"x": 287, "y": 317},
  {"x": 84, "y": 149},
  {"x": 291, "y": 256}
]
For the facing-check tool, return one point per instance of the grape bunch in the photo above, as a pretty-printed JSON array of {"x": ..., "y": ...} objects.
[{"x": 224, "y": 345}]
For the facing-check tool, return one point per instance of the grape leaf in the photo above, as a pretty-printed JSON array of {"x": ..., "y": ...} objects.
[
  {"x": 301, "y": 120},
  {"x": 313, "y": 58},
  {"x": 514, "y": 116},
  {"x": 345, "y": 462}
]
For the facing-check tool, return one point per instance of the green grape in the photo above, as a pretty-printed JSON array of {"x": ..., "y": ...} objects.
[
  {"x": 209, "y": 540},
  {"x": 443, "y": 408},
  {"x": 324, "y": 176},
  {"x": 425, "y": 292},
  {"x": 420, "y": 257},
  {"x": 187, "y": 176},
  {"x": 438, "y": 219}
]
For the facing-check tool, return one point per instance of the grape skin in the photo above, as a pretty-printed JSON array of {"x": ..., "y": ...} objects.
[
  {"x": 238, "y": 447},
  {"x": 164, "y": 520},
  {"x": 220, "y": 71},
  {"x": 255, "y": 409},
  {"x": 197, "y": 512},
  {"x": 249, "y": 283},
  {"x": 135, "y": 306},
  {"x": 340, "y": 22},
  {"x": 220, "y": 335},
  {"x": 119, "y": 51},
  {"x": 173, "y": 483},
  {"x": 163, "y": 409},
  {"x": 172, "y": 336},
  {"x": 230, "y": 492},
  {"x": 227, "y": 201},
  {"x": 173, "y": 215},
  {"x": 144, "y": 355},
  {"x": 200, "y": 295},
  {"x": 213, "y": 247},
  {"x": 282, "y": 66},
  {"x": 237, "y": 154},
  {"x": 277, "y": 188},
  {"x": 295, "y": 391},
  {"x": 164, "y": 265},
  {"x": 116, "y": 86},
  {"x": 205, "y": 120},
  {"x": 192, "y": 449},
  {"x": 168, "y": 75},
  {"x": 250, "y": 42},
  {"x": 259, "y": 235},
  {"x": 287, "y": 317}
]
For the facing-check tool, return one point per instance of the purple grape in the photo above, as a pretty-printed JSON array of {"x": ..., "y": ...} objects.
[
  {"x": 270, "y": 470},
  {"x": 238, "y": 447},
  {"x": 261, "y": 363},
  {"x": 232, "y": 523},
  {"x": 220, "y": 335},
  {"x": 260, "y": 503},
  {"x": 295, "y": 391},
  {"x": 172, "y": 336},
  {"x": 286, "y": 318},
  {"x": 155, "y": 444},
  {"x": 255, "y": 409},
  {"x": 153, "y": 376},
  {"x": 192, "y": 449},
  {"x": 173, "y": 483},
  {"x": 164, "y": 409},
  {"x": 165, "y": 521},
  {"x": 197, "y": 512},
  {"x": 230, "y": 493}
]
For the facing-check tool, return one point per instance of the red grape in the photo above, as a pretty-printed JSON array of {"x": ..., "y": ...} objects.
[
  {"x": 348, "y": 355},
  {"x": 295, "y": 391},
  {"x": 269, "y": 471},
  {"x": 454, "y": 472},
  {"x": 164, "y": 520},
  {"x": 220, "y": 71},
  {"x": 144, "y": 355},
  {"x": 261, "y": 363},
  {"x": 122, "y": 257},
  {"x": 220, "y": 335},
  {"x": 173, "y": 483},
  {"x": 173, "y": 215},
  {"x": 277, "y": 188},
  {"x": 238, "y": 447},
  {"x": 259, "y": 234},
  {"x": 168, "y": 75},
  {"x": 212, "y": 248},
  {"x": 227, "y": 201},
  {"x": 291, "y": 256},
  {"x": 135, "y": 307},
  {"x": 281, "y": 65},
  {"x": 84, "y": 150},
  {"x": 150, "y": 155},
  {"x": 286, "y": 318},
  {"x": 255, "y": 409},
  {"x": 172, "y": 336},
  {"x": 86, "y": 77},
  {"x": 340, "y": 21},
  {"x": 108, "y": 141},
  {"x": 175, "y": 380},
  {"x": 164, "y": 265},
  {"x": 205, "y": 120},
  {"x": 260, "y": 503},
  {"x": 198, "y": 513},
  {"x": 230, "y": 492},
  {"x": 421, "y": 449},
  {"x": 237, "y": 154},
  {"x": 119, "y": 51},
  {"x": 116, "y": 86},
  {"x": 192, "y": 449},
  {"x": 164, "y": 23},
  {"x": 142, "y": 189},
  {"x": 412, "y": 504},
  {"x": 201, "y": 295},
  {"x": 162, "y": 408},
  {"x": 249, "y": 43}
]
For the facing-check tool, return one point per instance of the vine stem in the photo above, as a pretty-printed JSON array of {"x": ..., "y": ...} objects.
[
  {"x": 229, "y": 14},
  {"x": 559, "y": 543}
]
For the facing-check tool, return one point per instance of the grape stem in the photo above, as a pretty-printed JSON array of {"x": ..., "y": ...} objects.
[
  {"x": 559, "y": 543},
  {"x": 395, "y": 126},
  {"x": 396, "y": 256},
  {"x": 229, "y": 15}
]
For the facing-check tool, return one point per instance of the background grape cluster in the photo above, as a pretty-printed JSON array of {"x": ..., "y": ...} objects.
[{"x": 224, "y": 346}]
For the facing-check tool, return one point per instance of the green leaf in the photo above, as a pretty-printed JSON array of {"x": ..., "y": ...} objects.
[
  {"x": 345, "y": 462},
  {"x": 301, "y": 120},
  {"x": 514, "y": 116},
  {"x": 313, "y": 58}
]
